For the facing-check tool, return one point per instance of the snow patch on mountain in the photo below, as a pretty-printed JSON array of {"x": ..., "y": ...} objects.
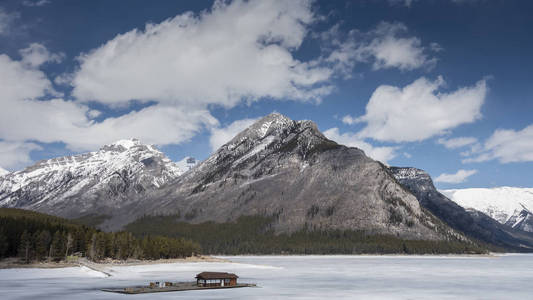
[
  {"x": 507, "y": 205},
  {"x": 186, "y": 164}
]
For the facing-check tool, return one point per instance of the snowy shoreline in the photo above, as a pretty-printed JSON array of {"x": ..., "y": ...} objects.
[{"x": 12, "y": 263}]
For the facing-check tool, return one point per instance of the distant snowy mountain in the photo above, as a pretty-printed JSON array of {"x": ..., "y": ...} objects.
[
  {"x": 99, "y": 181},
  {"x": 3, "y": 171},
  {"x": 508, "y": 205}
]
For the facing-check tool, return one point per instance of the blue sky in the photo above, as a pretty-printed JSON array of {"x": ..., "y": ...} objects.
[{"x": 440, "y": 85}]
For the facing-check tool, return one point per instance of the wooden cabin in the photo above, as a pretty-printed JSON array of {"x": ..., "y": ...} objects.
[{"x": 208, "y": 279}]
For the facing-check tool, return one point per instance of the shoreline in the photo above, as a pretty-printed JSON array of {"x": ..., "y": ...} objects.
[{"x": 13, "y": 263}]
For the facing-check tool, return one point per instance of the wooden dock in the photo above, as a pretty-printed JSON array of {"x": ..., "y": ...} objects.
[{"x": 175, "y": 287}]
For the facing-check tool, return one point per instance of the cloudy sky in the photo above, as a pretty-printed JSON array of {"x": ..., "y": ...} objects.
[{"x": 442, "y": 85}]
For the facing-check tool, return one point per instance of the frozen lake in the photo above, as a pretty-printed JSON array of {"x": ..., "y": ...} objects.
[{"x": 297, "y": 277}]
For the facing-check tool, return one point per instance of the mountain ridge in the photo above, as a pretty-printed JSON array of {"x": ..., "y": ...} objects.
[
  {"x": 473, "y": 223},
  {"x": 72, "y": 186}
]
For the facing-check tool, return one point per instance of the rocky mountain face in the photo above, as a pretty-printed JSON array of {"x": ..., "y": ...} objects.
[
  {"x": 288, "y": 170},
  {"x": 475, "y": 224},
  {"x": 508, "y": 205},
  {"x": 278, "y": 168},
  {"x": 100, "y": 182}
]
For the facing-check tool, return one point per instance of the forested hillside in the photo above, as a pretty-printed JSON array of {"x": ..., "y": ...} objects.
[
  {"x": 35, "y": 236},
  {"x": 254, "y": 235}
]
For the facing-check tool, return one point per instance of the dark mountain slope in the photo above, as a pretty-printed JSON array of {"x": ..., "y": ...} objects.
[{"x": 473, "y": 223}]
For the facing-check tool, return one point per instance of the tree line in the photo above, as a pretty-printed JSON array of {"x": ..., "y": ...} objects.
[
  {"x": 34, "y": 236},
  {"x": 254, "y": 235}
]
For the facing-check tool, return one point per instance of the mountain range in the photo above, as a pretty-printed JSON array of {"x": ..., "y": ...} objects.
[
  {"x": 476, "y": 224},
  {"x": 508, "y": 205},
  {"x": 91, "y": 183},
  {"x": 279, "y": 168}
]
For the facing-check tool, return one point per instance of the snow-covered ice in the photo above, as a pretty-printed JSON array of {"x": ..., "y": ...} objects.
[{"x": 297, "y": 277}]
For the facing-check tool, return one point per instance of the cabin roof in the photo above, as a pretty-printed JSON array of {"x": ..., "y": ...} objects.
[{"x": 216, "y": 275}]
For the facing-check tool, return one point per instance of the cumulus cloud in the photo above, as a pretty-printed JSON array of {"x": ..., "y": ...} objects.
[
  {"x": 14, "y": 155},
  {"x": 349, "y": 120},
  {"x": 419, "y": 110},
  {"x": 235, "y": 51},
  {"x": 383, "y": 154},
  {"x": 25, "y": 117},
  {"x": 222, "y": 135},
  {"x": 455, "y": 143},
  {"x": 459, "y": 177},
  {"x": 386, "y": 46},
  {"x": 18, "y": 81},
  {"x": 507, "y": 145},
  {"x": 390, "y": 50},
  {"x": 37, "y": 54}
]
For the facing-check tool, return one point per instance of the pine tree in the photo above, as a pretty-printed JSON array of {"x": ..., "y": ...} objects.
[
  {"x": 25, "y": 246},
  {"x": 4, "y": 246},
  {"x": 58, "y": 245},
  {"x": 42, "y": 243}
]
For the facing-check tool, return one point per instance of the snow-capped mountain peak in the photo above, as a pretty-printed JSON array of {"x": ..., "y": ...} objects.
[
  {"x": 122, "y": 145},
  {"x": 107, "y": 177},
  {"x": 507, "y": 205}
]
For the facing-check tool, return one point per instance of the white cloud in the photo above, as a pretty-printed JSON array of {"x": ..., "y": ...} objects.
[
  {"x": 14, "y": 155},
  {"x": 35, "y": 3},
  {"x": 24, "y": 117},
  {"x": 222, "y": 135},
  {"x": 386, "y": 46},
  {"x": 419, "y": 111},
  {"x": 37, "y": 54},
  {"x": 349, "y": 120},
  {"x": 459, "y": 177},
  {"x": 18, "y": 81},
  {"x": 6, "y": 20},
  {"x": 390, "y": 50},
  {"x": 157, "y": 124},
  {"x": 383, "y": 154},
  {"x": 507, "y": 145},
  {"x": 235, "y": 51},
  {"x": 455, "y": 143}
]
